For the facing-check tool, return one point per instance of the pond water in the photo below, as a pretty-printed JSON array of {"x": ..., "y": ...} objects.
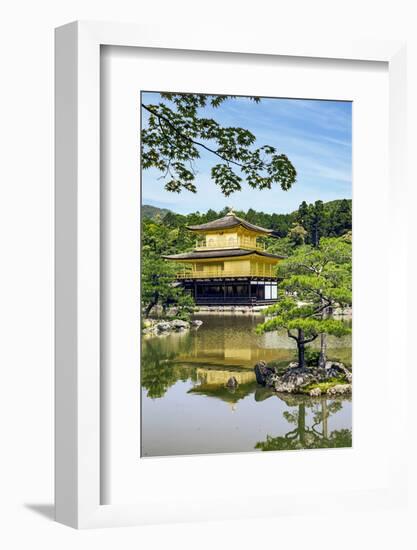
[{"x": 187, "y": 408}]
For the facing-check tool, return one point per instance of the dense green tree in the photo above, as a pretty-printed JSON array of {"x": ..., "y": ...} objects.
[
  {"x": 303, "y": 323},
  {"x": 210, "y": 215},
  {"x": 281, "y": 247},
  {"x": 313, "y": 280},
  {"x": 176, "y": 131},
  {"x": 318, "y": 222},
  {"x": 297, "y": 234},
  {"x": 173, "y": 220},
  {"x": 251, "y": 216},
  {"x": 331, "y": 265},
  {"x": 281, "y": 224},
  {"x": 159, "y": 286},
  {"x": 331, "y": 219},
  {"x": 314, "y": 219},
  {"x": 340, "y": 218},
  {"x": 302, "y": 213}
]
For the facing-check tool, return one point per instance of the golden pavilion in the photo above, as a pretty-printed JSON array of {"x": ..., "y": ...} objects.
[{"x": 228, "y": 265}]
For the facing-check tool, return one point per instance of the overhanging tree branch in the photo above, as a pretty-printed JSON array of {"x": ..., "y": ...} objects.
[
  {"x": 179, "y": 132},
  {"x": 186, "y": 138}
]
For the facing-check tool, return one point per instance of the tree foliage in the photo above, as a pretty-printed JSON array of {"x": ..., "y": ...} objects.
[
  {"x": 314, "y": 280},
  {"x": 176, "y": 132},
  {"x": 304, "y": 436},
  {"x": 159, "y": 287},
  {"x": 311, "y": 426},
  {"x": 330, "y": 261},
  {"x": 337, "y": 215},
  {"x": 159, "y": 371},
  {"x": 331, "y": 219},
  {"x": 297, "y": 234}
]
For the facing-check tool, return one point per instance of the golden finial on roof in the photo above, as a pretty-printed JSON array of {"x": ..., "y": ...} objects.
[{"x": 231, "y": 212}]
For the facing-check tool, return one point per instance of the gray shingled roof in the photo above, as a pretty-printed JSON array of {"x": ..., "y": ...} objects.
[
  {"x": 201, "y": 255},
  {"x": 228, "y": 221}
]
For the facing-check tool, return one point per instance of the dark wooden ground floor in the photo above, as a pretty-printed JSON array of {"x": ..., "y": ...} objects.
[{"x": 241, "y": 291}]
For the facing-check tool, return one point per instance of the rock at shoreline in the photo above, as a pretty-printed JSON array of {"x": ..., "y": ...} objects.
[
  {"x": 340, "y": 389},
  {"x": 293, "y": 379},
  {"x": 159, "y": 328},
  {"x": 178, "y": 324},
  {"x": 232, "y": 383},
  {"x": 297, "y": 380},
  {"x": 163, "y": 326},
  {"x": 263, "y": 373},
  {"x": 334, "y": 370}
]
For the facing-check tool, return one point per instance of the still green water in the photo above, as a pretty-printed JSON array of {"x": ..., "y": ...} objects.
[{"x": 187, "y": 408}]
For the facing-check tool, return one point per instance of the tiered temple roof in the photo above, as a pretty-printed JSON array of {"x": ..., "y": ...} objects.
[
  {"x": 227, "y": 222},
  {"x": 220, "y": 253}
]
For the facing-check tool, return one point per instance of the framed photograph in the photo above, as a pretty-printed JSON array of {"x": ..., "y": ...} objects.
[{"x": 218, "y": 276}]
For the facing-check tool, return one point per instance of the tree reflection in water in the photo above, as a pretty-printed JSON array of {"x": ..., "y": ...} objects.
[
  {"x": 220, "y": 391},
  {"x": 158, "y": 372},
  {"x": 185, "y": 387},
  {"x": 315, "y": 436}
]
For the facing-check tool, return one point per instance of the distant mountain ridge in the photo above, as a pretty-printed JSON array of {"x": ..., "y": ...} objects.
[{"x": 153, "y": 212}]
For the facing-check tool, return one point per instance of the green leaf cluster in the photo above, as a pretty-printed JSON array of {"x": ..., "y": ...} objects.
[
  {"x": 159, "y": 286},
  {"x": 320, "y": 219},
  {"x": 175, "y": 132},
  {"x": 313, "y": 280},
  {"x": 291, "y": 232}
]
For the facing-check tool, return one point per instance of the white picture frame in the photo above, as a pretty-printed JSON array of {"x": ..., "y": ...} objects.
[{"x": 78, "y": 259}]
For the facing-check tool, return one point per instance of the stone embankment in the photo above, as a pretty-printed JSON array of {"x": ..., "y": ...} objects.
[{"x": 156, "y": 327}]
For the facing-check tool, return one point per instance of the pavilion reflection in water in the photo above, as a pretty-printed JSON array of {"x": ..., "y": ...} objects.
[
  {"x": 228, "y": 346},
  {"x": 188, "y": 373}
]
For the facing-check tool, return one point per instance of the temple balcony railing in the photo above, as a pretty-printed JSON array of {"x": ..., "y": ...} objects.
[
  {"x": 228, "y": 243},
  {"x": 254, "y": 271}
]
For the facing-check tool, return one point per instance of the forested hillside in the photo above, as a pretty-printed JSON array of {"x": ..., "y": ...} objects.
[
  {"x": 153, "y": 212},
  {"x": 164, "y": 232},
  {"x": 309, "y": 223}
]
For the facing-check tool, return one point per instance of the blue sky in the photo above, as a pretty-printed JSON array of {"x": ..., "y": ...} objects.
[{"x": 315, "y": 135}]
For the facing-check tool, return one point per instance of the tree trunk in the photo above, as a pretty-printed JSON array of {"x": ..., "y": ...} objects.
[
  {"x": 325, "y": 416},
  {"x": 323, "y": 350},
  {"x": 323, "y": 342},
  {"x": 301, "y": 349},
  {"x": 151, "y": 305},
  {"x": 316, "y": 235},
  {"x": 302, "y": 423},
  {"x": 148, "y": 309}
]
